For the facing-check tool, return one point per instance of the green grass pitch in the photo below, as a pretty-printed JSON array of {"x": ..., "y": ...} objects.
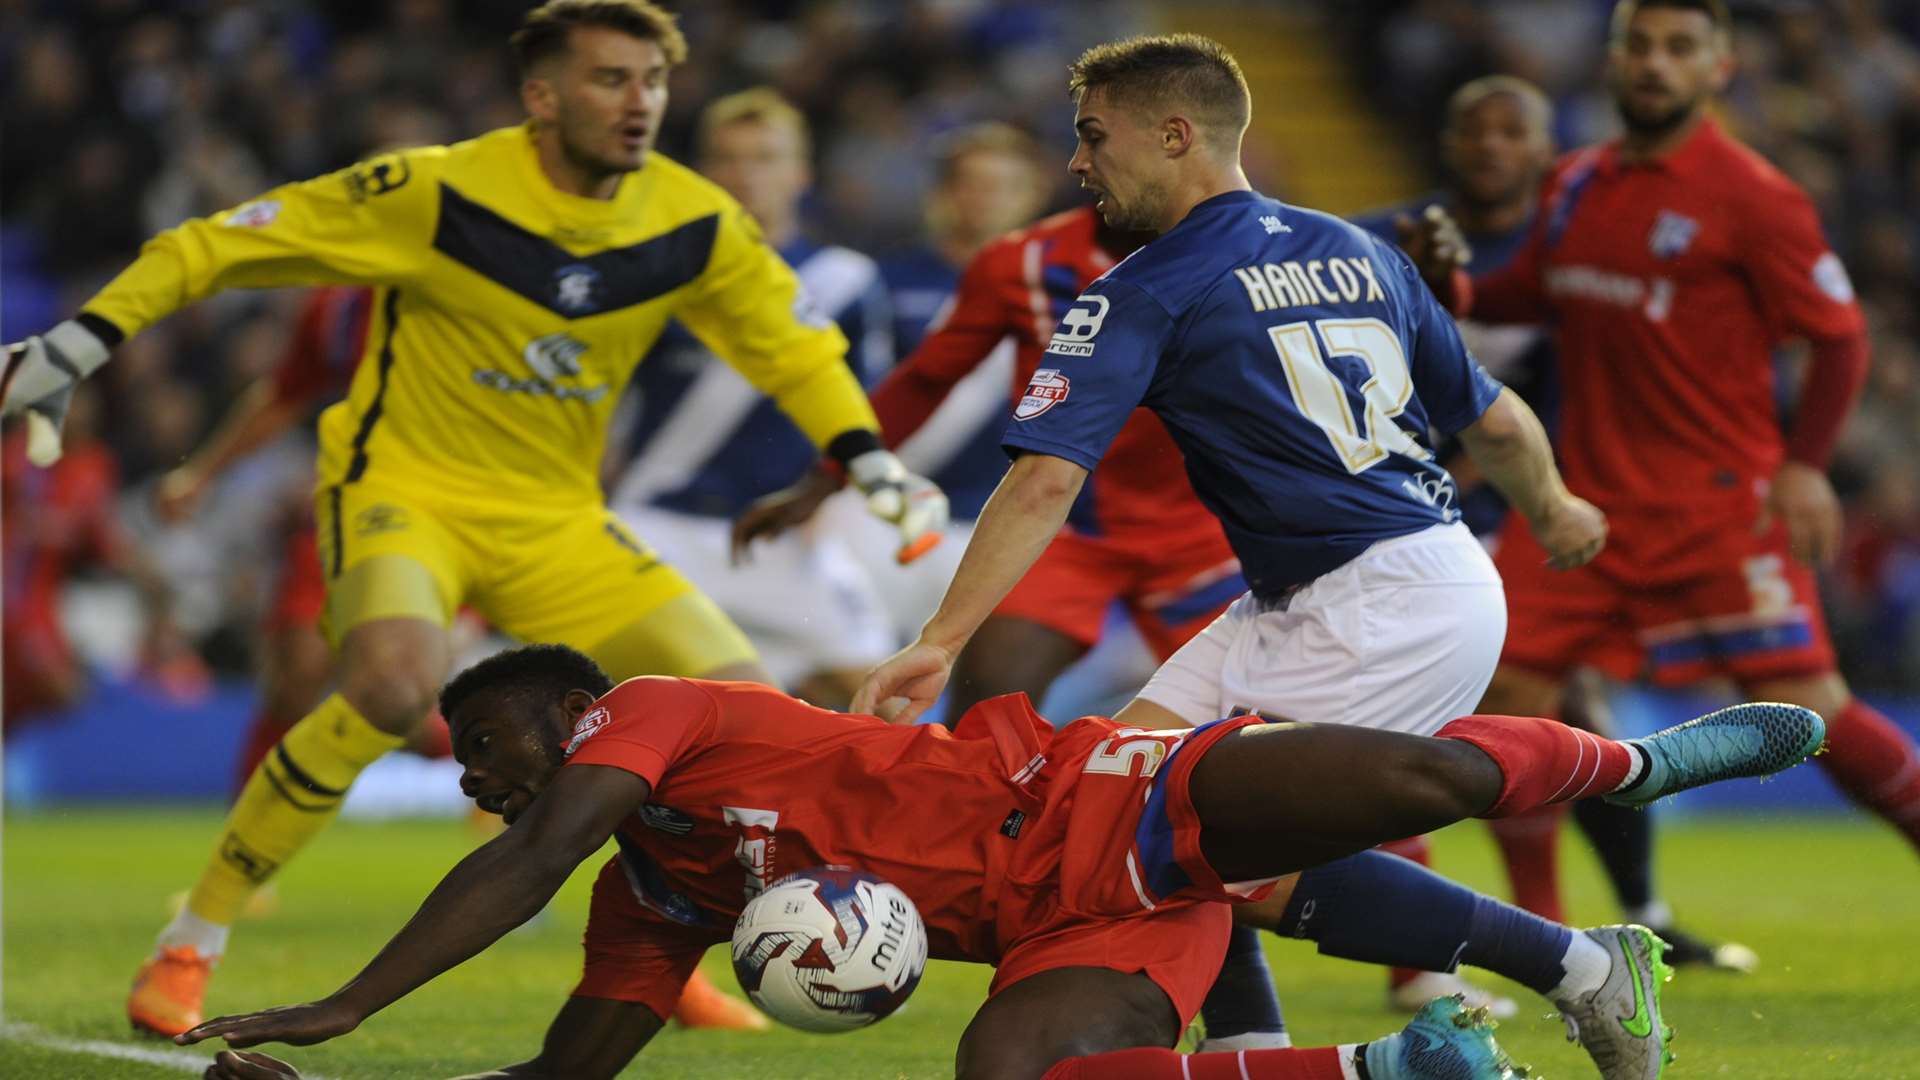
[{"x": 1832, "y": 906}]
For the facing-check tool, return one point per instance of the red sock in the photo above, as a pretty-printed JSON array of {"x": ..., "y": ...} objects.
[
  {"x": 1152, "y": 1063},
  {"x": 1413, "y": 849},
  {"x": 1542, "y": 761},
  {"x": 1530, "y": 845},
  {"x": 262, "y": 736},
  {"x": 1877, "y": 764}
]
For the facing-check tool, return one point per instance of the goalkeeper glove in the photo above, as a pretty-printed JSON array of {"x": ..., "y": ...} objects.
[
  {"x": 41, "y": 373},
  {"x": 912, "y": 504}
]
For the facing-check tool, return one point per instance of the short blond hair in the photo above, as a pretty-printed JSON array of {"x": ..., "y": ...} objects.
[
  {"x": 544, "y": 30},
  {"x": 1168, "y": 71},
  {"x": 756, "y": 105}
]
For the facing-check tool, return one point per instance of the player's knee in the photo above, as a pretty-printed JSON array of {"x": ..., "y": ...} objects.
[
  {"x": 394, "y": 689},
  {"x": 1438, "y": 781}
]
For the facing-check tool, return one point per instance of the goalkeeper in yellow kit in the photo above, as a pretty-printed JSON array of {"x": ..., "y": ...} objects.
[{"x": 522, "y": 276}]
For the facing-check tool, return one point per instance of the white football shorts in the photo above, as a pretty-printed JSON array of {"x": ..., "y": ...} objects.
[{"x": 1403, "y": 638}]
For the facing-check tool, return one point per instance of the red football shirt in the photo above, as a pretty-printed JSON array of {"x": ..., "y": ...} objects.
[
  {"x": 1018, "y": 286},
  {"x": 750, "y": 785},
  {"x": 1670, "y": 283}
]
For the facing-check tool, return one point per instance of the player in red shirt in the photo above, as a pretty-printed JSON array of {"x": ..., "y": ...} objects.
[
  {"x": 318, "y": 365},
  {"x": 1672, "y": 261},
  {"x": 1086, "y": 864}
]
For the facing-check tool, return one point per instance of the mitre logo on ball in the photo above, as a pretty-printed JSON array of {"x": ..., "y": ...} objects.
[{"x": 1046, "y": 389}]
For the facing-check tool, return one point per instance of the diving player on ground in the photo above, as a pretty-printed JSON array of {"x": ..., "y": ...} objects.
[
  {"x": 522, "y": 275},
  {"x": 1085, "y": 863}
]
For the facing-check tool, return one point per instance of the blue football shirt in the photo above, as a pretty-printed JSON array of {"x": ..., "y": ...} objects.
[{"x": 1298, "y": 361}]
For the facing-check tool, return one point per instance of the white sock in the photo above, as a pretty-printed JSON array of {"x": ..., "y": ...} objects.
[
  {"x": 1348, "y": 1070},
  {"x": 1654, "y": 913},
  {"x": 1587, "y": 965},
  {"x": 1634, "y": 771},
  {"x": 208, "y": 939}
]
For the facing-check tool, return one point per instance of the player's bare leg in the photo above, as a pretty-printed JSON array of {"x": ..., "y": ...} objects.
[
  {"x": 1006, "y": 656},
  {"x": 1025, "y": 1029},
  {"x": 1244, "y": 992},
  {"x": 1086, "y": 1023},
  {"x": 390, "y": 671},
  {"x": 1869, "y": 757}
]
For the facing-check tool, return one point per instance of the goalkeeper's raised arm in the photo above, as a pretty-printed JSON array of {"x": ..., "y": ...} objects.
[{"x": 366, "y": 224}]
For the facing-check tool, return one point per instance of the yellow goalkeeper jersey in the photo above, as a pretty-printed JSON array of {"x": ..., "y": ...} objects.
[{"x": 511, "y": 314}]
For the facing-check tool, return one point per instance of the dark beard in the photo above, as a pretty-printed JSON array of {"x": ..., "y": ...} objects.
[{"x": 1656, "y": 126}]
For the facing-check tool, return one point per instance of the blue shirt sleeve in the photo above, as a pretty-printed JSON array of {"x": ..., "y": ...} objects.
[
  {"x": 1451, "y": 384},
  {"x": 1096, "y": 370}
]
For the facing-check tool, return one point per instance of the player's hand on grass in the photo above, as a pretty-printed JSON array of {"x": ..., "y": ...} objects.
[
  {"x": 1802, "y": 500},
  {"x": 909, "y": 502},
  {"x": 789, "y": 508},
  {"x": 295, "y": 1025},
  {"x": 248, "y": 1065},
  {"x": 906, "y": 685},
  {"x": 1572, "y": 531},
  {"x": 1434, "y": 242}
]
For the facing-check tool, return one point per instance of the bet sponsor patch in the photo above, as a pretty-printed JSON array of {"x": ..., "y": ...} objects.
[{"x": 1046, "y": 389}]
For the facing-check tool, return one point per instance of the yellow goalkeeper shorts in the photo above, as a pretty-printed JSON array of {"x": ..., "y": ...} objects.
[{"x": 561, "y": 572}]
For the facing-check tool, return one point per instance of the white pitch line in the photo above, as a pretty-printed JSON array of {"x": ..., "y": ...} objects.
[{"x": 185, "y": 1061}]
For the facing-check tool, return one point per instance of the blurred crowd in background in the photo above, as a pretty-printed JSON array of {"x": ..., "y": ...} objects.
[{"x": 124, "y": 117}]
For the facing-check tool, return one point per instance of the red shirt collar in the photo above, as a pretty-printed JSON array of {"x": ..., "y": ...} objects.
[{"x": 1691, "y": 158}]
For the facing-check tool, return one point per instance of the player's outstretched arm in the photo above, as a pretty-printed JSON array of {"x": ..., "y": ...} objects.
[
  {"x": 502, "y": 884},
  {"x": 1511, "y": 448},
  {"x": 365, "y": 225},
  {"x": 1018, "y": 523}
]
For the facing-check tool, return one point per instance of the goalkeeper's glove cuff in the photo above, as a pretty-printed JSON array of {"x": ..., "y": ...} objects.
[
  {"x": 44, "y": 365},
  {"x": 913, "y": 504}
]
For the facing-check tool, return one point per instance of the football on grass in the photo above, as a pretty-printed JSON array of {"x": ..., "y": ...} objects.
[{"x": 829, "y": 949}]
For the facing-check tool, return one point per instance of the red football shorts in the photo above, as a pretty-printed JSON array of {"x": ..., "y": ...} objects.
[
  {"x": 1681, "y": 601},
  {"x": 1170, "y": 594},
  {"x": 300, "y": 593},
  {"x": 633, "y": 954},
  {"x": 1115, "y": 877}
]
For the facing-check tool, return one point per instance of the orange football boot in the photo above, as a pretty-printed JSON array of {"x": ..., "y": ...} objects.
[
  {"x": 704, "y": 1005},
  {"x": 168, "y": 990}
]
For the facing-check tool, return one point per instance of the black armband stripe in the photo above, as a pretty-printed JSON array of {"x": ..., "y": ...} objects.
[{"x": 851, "y": 444}]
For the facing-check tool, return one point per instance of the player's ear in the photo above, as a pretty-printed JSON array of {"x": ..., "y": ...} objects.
[
  {"x": 577, "y": 702},
  {"x": 537, "y": 96},
  {"x": 1177, "y": 135}
]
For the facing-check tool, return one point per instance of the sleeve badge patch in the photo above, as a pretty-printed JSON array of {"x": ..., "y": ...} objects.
[
  {"x": 588, "y": 726},
  {"x": 1046, "y": 389}
]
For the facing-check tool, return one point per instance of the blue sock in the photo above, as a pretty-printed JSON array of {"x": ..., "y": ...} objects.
[
  {"x": 1242, "y": 999},
  {"x": 1381, "y": 909}
]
